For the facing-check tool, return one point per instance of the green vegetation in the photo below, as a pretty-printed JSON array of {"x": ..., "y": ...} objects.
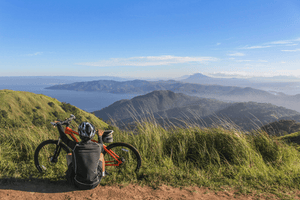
[
  {"x": 25, "y": 122},
  {"x": 214, "y": 157}
]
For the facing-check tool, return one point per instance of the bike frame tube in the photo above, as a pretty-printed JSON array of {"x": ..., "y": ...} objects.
[
  {"x": 114, "y": 155},
  {"x": 71, "y": 132}
]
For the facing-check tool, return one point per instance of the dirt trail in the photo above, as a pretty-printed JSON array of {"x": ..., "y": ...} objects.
[{"x": 60, "y": 190}]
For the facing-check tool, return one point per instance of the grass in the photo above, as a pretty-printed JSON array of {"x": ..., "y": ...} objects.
[
  {"x": 25, "y": 122},
  {"x": 212, "y": 157}
]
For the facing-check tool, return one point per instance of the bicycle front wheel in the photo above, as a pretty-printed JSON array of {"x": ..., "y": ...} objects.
[
  {"x": 128, "y": 155},
  {"x": 50, "y": 158}
]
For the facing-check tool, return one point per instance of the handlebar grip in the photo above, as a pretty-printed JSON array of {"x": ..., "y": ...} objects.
[{"x": 72, "y": 117}]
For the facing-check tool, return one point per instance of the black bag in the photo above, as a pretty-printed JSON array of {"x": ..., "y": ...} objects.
[{"x": 70, "y": 174}]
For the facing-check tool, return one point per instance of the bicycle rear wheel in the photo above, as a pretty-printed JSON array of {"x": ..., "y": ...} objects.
[
  {"x": 129, "y": 155},
  {"x": 51, "y": 158}
]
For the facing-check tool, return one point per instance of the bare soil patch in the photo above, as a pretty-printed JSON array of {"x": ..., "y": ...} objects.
[{"x": 60, "y": 190}]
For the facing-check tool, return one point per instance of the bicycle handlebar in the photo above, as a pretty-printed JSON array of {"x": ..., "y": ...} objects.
[{"x": 66, "y": 122}]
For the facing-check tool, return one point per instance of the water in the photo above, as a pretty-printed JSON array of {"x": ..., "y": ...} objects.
[{"x": 88, "y": 101}]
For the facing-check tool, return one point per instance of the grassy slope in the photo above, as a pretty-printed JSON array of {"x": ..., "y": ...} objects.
[
  {"x": 25, "y": 109},
  {"x": 25, "y": 122},
  {"x": 216, "y": 158}
]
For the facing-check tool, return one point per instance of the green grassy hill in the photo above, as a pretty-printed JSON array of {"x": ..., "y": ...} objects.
[
  {"x": 25, "y": 122},
  {"x": 25, "y": 109},
  {"x": 212, "y": 157}
]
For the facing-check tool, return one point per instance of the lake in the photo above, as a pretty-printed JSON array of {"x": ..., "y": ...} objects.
[{"x": 88, "y": 101}]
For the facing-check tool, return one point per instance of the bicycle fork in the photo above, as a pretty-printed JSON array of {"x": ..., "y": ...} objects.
[{"x": 53, "y": 159}]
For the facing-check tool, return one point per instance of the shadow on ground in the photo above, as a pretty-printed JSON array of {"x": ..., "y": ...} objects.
[{"x": 36, "y": 185}]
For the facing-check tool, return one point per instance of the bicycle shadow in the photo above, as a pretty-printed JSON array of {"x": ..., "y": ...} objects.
[{"x": 36, "y": 185}]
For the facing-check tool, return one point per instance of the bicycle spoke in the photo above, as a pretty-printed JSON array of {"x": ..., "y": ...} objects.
[
  {"x": 50, "y": 158},
  {"x": 128, "y": 159}
]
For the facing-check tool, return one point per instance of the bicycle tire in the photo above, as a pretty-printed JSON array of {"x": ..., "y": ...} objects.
[
  {"x": 129, "y": 154},
  {"x": 47, "y": 162}
]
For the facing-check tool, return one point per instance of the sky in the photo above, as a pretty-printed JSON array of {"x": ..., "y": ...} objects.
[{"x": 150, "y": 38}]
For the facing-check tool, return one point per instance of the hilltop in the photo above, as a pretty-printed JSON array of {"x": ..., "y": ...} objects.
[{"x": 25, "y": 109}]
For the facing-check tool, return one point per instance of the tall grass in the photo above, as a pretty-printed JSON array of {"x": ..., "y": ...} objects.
[
  {"x": 211, "y": 157},
  {"x": 17, "y": 146}
]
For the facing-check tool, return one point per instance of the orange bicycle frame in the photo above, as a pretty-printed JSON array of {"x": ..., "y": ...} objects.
[{"x": 71, "y": 132}]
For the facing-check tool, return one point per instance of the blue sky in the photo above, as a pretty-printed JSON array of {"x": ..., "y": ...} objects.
[{"x": 149, "y": 38}]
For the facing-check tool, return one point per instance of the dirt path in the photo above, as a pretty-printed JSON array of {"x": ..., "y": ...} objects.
[{"x": 60, "y": 190}]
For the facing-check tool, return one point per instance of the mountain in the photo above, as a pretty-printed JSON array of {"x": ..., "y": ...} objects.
[
  {"x": 276, "y": 79},
  {"x": 160, "y": 104},
  {"x": 284, "y": 84},
  {"x": 25, "y": 109},
  {"x": 202, "y": 79},
  {"x": 218, "y": 92},
  {"x": 251, "y": 115},
  {"x": 281, "y": 127},
  {"x": 142, "y": 87},
  {"x": 178, "y": 109}
]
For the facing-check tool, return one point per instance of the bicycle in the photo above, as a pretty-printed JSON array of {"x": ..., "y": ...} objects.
[{"x": 121, "y": 157}]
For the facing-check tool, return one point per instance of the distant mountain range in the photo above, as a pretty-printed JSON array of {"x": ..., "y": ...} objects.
[
  {"x": 250, "y": 82},
  {"x": 202, "y": 79},
  {"x": 285, "y": 84},
  {"x": 222, "y": 93},
  {"x": 180, "y": 108},
  {"x": 161, "y": 104}
]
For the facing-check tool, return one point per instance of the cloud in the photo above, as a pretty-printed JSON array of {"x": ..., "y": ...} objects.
[
  {"x": 148, "y": 61},
  {"x": 245, "y": 73},
  {"x": 285, "y": 42},
  {"x": 233, "y": 74},
  {"x": 291, "y": 50},
  {"x": 255, "y": 47},
  {"x": 293, "y": 44},
  {"x": 218, "y": 44},
  {"x": 257, "y": 61},
  {"x": 236, "y": 54},
  {"x": 262, "y": 61},
  {"x": 274, "y": 44},
  {"x": 35, "y": 54},
  {"x": 244, "y": 60},
  {"x": 281, "y": 42}
]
